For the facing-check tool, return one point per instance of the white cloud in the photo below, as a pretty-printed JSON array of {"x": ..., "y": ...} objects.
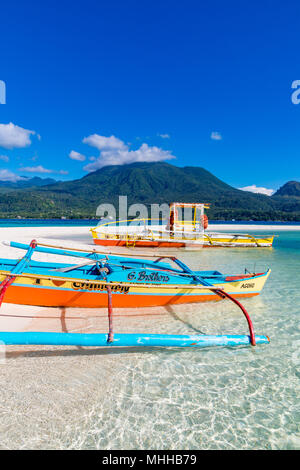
[
  {"x": 260, "y": 190},
  {"x": 114, "y": 151},
  {"x": 12, "y": 136},
  {"x": 4, "y": 158},
  {"x": 164, "y": 136},
  {"x": 104, "y": 143},
  {"x": 41, "y": 169},
  {"x": 76, "y": 156},
  {"x": 215, "y": 136},
  {"x": 36, "y": 169},
  {"x": 6, "y": 175}
]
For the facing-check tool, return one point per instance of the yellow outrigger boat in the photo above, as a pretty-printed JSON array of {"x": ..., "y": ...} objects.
[{"x": 177, "y": 233}]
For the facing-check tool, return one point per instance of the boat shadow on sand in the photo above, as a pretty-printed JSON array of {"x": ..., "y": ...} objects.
[{"x": 81, "y": 351}]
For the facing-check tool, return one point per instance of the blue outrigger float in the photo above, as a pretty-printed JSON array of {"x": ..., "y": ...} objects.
[{"x": 128, "y": 281}]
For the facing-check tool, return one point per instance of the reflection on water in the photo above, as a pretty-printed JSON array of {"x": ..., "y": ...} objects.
[{"x": 246, "y": 398}]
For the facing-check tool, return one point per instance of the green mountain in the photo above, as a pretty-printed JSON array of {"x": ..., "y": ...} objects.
[
  {"x": 291, "y": 188},
  {"x": 25, "y": 182},
  {"x": 146, "y": 183}
]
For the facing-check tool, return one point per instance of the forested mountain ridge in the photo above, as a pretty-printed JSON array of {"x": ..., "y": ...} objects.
[{"x": 146, "y": 183}]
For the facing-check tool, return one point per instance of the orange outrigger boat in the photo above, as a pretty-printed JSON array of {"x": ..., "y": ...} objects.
[
  {"x": 133, "y": 282},
  {"x": 102, "y": 280}
]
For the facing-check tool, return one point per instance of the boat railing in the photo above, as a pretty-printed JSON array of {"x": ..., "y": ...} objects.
[
  {"x": 129, "y": 222},
  {"x": 119, "y": 222},
  {"x": 120, "y": 234}
]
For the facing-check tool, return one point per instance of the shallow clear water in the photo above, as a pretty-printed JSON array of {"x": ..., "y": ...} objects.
[
  {"x": 92, "y": 222},
  {"x": 246, "y": 398}
]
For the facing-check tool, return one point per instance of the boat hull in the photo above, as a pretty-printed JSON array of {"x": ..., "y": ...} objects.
[
  {"x": 44, "y": 292},
  {"x": 139, "y": 243},
  {"x": 216, "y": 240}
]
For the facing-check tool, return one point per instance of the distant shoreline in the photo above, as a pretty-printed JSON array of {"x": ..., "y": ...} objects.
[{"x": 213, "y": 225}]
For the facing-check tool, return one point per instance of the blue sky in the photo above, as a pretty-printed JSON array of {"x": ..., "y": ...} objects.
[{"x": 197, "y": 83}]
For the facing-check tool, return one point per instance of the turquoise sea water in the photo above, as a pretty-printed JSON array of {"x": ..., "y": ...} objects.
[
  {"x": 93, "y": 222},
  {"x": 228, "y": 398},
  {"x": 244, "y": 398}
]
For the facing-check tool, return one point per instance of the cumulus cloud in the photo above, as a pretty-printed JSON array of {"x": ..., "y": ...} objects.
[
  {"x": 260, "y": 190},
  {"x": 215, "y": 136},
  {"x": 105, "y": 143},
  {"x": 41, "y": 169},
  {"x": 76, "y": 156},
  {"x": 6, "y": 175},
  {"x": 4, "y": 158},
  {"x": 12, "y": 136},
  {"x": 114, "y": 151}
]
